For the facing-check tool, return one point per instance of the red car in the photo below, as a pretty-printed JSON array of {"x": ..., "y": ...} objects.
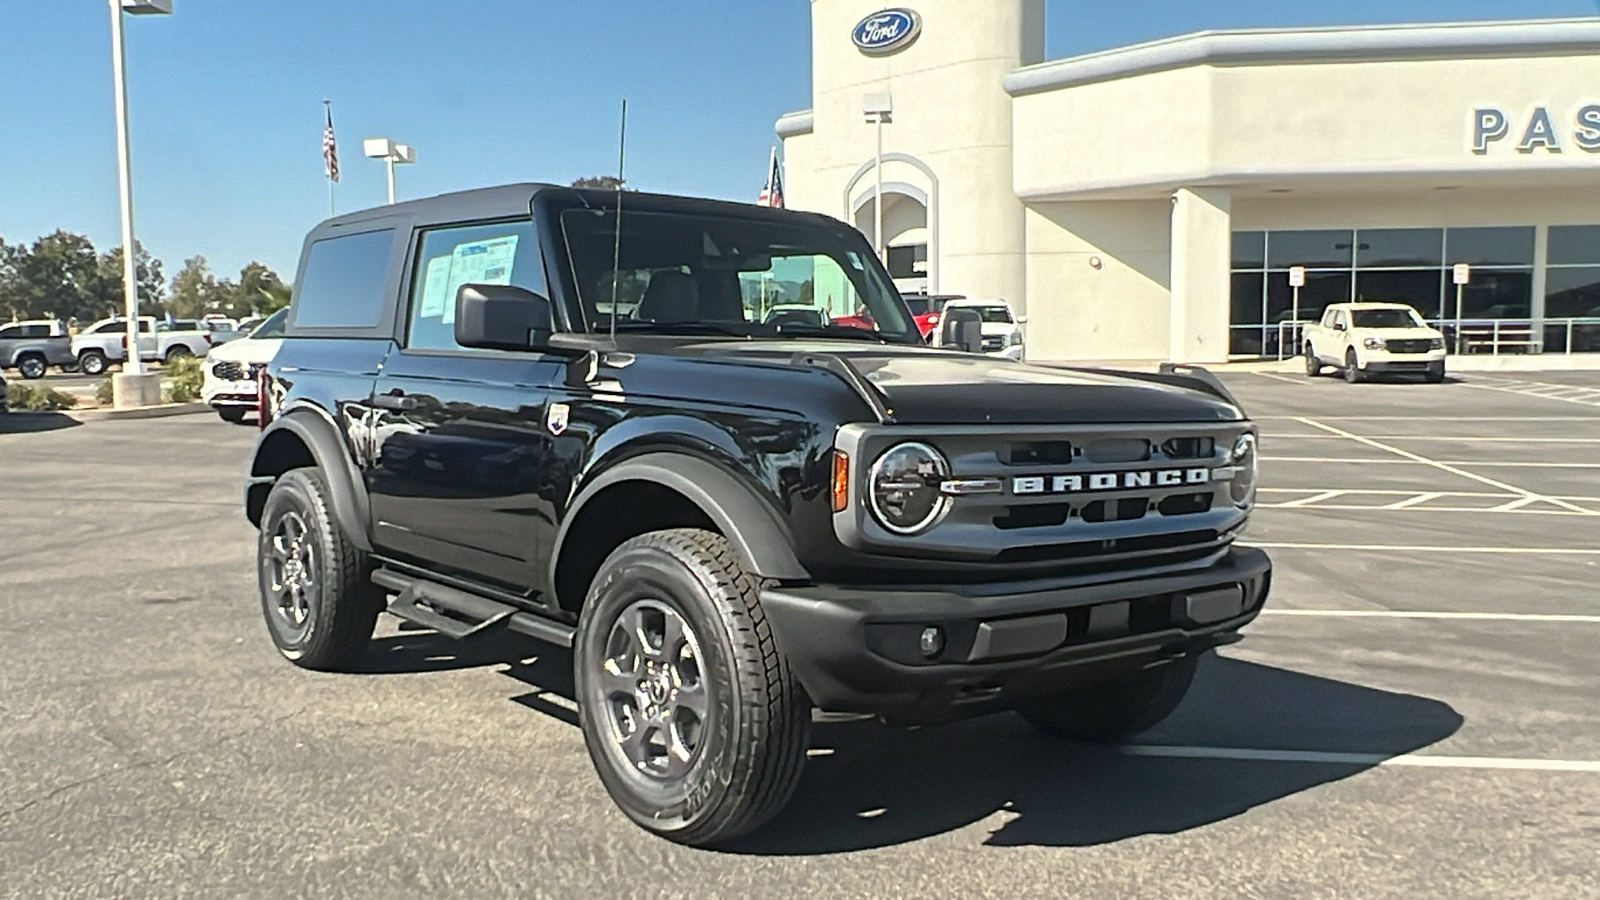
[{"x": 928, "y": 311}]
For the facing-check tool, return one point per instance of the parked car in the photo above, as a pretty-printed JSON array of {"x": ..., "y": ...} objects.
[
  {"x": 32, "y": 347},
  {"x": 728, "y": 522},
  {"x": 231, "y": 369},
  {"x": 1367, "y": 339},
  {"x": 798, "y": 314},
  {"x": 929, "y": 310},
  {"x": 1002, "y": 335},
  {"x": 105, "y": 342}
]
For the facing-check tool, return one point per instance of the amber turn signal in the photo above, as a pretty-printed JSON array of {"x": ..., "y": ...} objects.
[{"x": 841, "y": 481}]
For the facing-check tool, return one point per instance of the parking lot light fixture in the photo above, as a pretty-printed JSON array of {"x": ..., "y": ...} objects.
[
  {"x": 392, "y": 154},
  {"x": 136, "y": 387}
]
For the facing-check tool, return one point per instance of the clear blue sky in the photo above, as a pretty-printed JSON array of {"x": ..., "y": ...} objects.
[{"x": 227, "y": 99}]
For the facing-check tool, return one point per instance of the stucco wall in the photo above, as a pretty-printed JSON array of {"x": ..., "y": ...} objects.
[{"x": 1118, "y": 311}]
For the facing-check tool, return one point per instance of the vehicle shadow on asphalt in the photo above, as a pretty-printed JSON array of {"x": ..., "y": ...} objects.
[
  {"x": 879, "y": 787},
  {"x": 869, "y": 786},
  {"x": 31, "y": 422}
]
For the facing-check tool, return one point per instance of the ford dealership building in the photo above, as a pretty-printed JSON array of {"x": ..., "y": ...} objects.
[{"x": 1149, "y": 202}]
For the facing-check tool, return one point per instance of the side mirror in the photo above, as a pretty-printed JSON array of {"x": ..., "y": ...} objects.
[
  {"x": 502, "y": 317},
  {"x": 1338, "y": 326},
  {"x": 962, "y": 329}
]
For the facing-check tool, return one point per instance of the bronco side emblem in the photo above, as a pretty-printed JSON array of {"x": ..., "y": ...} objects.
[{"x": 556, "y": 418}]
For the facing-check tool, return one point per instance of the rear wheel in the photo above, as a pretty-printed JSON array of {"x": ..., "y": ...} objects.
[
  {"x": 1313, "y": 365},
  {"x": 316, "y": 594},
  {"x": 1352, "y": 367},
  {"x": 31, "y": 367},
  {"x": 692, "y": 716},
  {"x": 177, "y": 352},
  {"x": 1114, "y": 709},
  {"x": 92, "y": 362}
]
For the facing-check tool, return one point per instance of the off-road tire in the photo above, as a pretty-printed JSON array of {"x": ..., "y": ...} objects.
[
  {"x": 1313, "y": 365},
  {"x": 1111, "y": 710},
  {"x": 340, "y": 603},
  {"x": 32, "y": 366},
  {"x": 234, "y": 414},
  {"x": 752, "y": 747},
  {"x": 92, "y": 362},
  {"x": 1352, "y": 368}
]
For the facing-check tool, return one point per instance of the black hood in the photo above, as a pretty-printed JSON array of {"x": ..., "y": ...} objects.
[{"x": 923, "y": 386}]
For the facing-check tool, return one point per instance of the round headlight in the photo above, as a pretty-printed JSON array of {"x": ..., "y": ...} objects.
[
  {"x": 903, "y": 488},
  {"x": 1246, "y": 465}
]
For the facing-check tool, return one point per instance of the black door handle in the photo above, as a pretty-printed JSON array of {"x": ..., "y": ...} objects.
[{"x": 396, "y": 400}]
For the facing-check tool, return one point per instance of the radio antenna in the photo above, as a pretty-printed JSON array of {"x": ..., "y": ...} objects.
[{"x": 616, "y": 247}]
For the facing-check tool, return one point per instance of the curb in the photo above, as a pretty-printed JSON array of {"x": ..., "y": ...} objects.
[{"x": 138, "y": 412}]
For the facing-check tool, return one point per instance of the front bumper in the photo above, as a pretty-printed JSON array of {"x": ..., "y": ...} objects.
[
  {"x": 857, "y": 649},
  {"x": 1375, "y": 361},
  {"x": 217, "y": 392}
]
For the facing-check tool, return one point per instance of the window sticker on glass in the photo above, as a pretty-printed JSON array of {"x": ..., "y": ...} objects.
[{"x": 477, "y": 262}]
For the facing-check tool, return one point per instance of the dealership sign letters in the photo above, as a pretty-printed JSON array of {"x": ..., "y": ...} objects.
[{"x": 1539, "y": 131}]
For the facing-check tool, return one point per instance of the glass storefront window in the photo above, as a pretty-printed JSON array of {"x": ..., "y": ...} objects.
[
  {"x": 1322, "y": 288},
  {"x": 1490, "y": 246},
  {"x": 1249, "y": 249},
  {"x": 1572, "y": 292},
  {"x": 1574, "y": 245},
  {"x": 1312, "y": 249},
  {"x": 1497, "y": 294},
  {"x": 1399, "y": 248},
  {"x": 1418, "y": 288}
]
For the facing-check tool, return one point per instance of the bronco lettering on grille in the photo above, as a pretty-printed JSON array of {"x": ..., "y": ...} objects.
[{"x": 1108, "y": 481}]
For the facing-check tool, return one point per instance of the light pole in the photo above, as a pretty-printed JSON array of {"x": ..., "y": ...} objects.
[
  {"x": 878, "y": 110},
  {"x": 134, "y": 387},
  {"x": 391, "y": 153}
]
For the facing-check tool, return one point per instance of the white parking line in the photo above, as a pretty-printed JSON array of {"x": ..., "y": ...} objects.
[
  {"x": 1456, "y": 439},
  {"x": 1413, "y": 462},
  {"x": 1280, "y": 378},
  {"x": 1406, "y": 760},
  {"x": 1465, "y": 616},
  {"x": 1444, "y": 467},
  {"x": 1433, "y": 418},
  {"x": 1540, "y": 389},
  {"x": 1306, "y": 501},
  {"x": 1413, "y": 501},
  {"x": 1420, "y": 548}
]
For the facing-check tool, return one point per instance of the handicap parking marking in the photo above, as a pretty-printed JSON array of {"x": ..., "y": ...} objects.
[
  {"x": 1424, "y": 548},
  {"x": 1364, "y": 760},
  {"x": 1444, "y": 466},
  {"x": 1562, "y": 618},
  {"x": 1543, "y": 390},
  {"x": 1376, "y": 500}
]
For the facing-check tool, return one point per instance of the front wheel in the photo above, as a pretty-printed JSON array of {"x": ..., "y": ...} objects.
[
  {"x": 1111, "y": 710},
  {"x": 31, "y": 367},
  {"x": 692, "y": 716},
  {"x": 1352, "y": 368},
  {"x": 1313, "y": 364},
  {"x": 92, "y": 362},
  {"x": 316, "y": 594},
  {"x": 1435, "y": 373}
]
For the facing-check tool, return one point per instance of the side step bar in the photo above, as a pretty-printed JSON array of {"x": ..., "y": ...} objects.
[{"x": 457, "y": 614}]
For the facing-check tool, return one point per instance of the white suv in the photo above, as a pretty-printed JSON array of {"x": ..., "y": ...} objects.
[{"x": 231, "y": 369}]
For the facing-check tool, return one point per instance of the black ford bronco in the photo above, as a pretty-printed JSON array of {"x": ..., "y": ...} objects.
[{"x": 596, "y": 419}]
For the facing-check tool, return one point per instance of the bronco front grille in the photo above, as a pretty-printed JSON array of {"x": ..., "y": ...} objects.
[{"x": 1067, "y": 494}]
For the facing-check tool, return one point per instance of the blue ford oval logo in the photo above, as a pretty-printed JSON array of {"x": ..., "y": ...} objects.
[{"x": 887, "y": 31}]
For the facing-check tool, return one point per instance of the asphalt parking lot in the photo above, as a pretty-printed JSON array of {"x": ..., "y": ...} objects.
[{"x": 1418, "y": 714}]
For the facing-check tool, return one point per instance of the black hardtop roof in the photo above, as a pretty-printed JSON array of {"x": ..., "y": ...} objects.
[{"x": 515, "y": 199}]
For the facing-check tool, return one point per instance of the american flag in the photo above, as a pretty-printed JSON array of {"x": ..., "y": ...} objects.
[
  {"x": 330, "y": 147},
  {"x": 772, "y": 194}
]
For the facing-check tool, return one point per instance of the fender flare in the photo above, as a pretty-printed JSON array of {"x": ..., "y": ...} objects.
[
  {"x": 321, "y": 436},
  {"x": 758, "y": 537}
]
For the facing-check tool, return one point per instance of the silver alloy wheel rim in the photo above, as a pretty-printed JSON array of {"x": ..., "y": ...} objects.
[
  {"x": 652, "y": 687},
  {"x": 92, "y": 365},
  {"x": 31, "y": 368},
  {"x": 291, "y": 573}
]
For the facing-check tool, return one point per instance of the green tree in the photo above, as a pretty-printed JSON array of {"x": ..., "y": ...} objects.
[
  {"x": 59, "y": 275},
  {"x": 602, "y": 182},
  {"x": 259, "y": 292},
  {"x": 195, "y": 291},
  {"x": 108, "y": 283}
]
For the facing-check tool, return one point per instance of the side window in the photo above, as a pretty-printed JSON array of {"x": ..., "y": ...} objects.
[
  {"x": 11, "y": 332},
  {"x": 343, "y": 282},
  {"x": 496, "y": 253},
  {"x": 113, "y": 328}
]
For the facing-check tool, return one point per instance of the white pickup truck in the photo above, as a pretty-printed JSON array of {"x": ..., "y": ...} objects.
[
  {"x": 1367, "y": 339},
  {"x": 105, "y": 342}
]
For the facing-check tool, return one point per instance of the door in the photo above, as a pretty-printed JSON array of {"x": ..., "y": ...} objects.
[{"x": 459, "y": 475}]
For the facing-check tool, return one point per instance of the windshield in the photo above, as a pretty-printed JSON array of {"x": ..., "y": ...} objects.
[
  {"x": 991, "y": 315},
  {"x": 272, "y": 327},
  {"x": 1386, "y": 318},
  {"x": 716, "y": 274}
]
